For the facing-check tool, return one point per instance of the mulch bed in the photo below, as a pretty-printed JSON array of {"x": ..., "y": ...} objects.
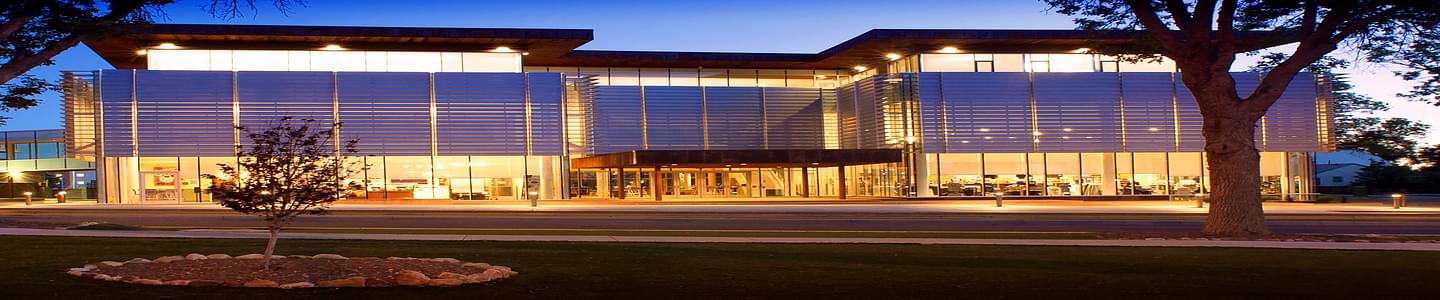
[
  {"x": 297, "y": 271},
  {"x": 235, "y": 272}
]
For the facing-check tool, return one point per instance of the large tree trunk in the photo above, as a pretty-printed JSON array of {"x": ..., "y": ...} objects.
[
  {"x": 270, "y": 246},
  {"x": 1235, "y": 208}
]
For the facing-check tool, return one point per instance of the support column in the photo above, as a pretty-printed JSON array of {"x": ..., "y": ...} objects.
[
  {"x": 922, "y": 175},
  {"x": 804, "y": 182},
  {"x": 658, "y": 183},
  {"x": 841, "y": 176},
  {"x": 602, "y": 184},
  {"x": 1107, "y": 176},
  {"x": 621, "y": 183}
]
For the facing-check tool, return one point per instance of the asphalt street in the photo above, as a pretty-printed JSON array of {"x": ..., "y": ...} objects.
[{"x": 1338, "y": 224}]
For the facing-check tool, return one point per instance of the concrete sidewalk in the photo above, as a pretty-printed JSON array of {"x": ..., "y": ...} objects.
[
  {"x": 675, "y": 239},
  {"x": 865, "y": 206}
]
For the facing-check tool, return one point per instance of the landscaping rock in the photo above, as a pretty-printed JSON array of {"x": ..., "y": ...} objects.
[
  {"x": 445, "y": 260},
  {"x": 328, "y": 256},
  {"x": 411, "y": 278},
  {"x": 218, "y": 256},
  {"x": 147, "y": 282},
  {"x": 75, "y": 272},
  {"x": 481, "y": 277},
  {"x": 137, "y": 260},
  {"x": 477, "y": 265},
  {"x": 445, "y": 282},
  {"x": 112, "y": 263},
  {"x": 90, "y": 267},
  {"x": 166, "y": 259},
  {"x": 195, "y": 256},
  {"x": 347, "y": 282},
  {"x": 205, "y": 283},
  {"x": 298, "y": 285},
  {"x": 297, "y": 256},
  {"x": 261, "y": 283},
  {"x": 251, "y": 256},
  {"x": 505, "y": 270},
  {"x": 177, "y": 282},
  {"x": 449, "y": 275}
]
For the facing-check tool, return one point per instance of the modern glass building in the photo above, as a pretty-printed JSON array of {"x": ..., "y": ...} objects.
[{"x": 506, "y": 114}]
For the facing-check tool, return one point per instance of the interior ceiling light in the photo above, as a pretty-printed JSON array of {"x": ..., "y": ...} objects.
[
  {"x": 892, "y": 56},
  {"x": 167, "y": 46},
  {"x": 949, "y": 50},
  {"x": 141, "y": 52},
  {"x": 861, "y": 68},
  {"x": 502, "y": 49},
  {"x": 1082, "y": 50},
  {"x": 332, "y": 47}
]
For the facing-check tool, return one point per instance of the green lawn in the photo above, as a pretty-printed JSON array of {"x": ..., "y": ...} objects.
[{"x": 34, "y": 270}]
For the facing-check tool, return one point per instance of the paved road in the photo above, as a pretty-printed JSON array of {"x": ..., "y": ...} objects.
[{"x": 1347, "y": 224}]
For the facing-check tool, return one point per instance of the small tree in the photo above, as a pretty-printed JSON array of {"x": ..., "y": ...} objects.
[{"x": 289, "y": 170}]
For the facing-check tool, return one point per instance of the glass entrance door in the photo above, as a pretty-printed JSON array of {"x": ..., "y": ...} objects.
[{"x": 159, "y": 187}]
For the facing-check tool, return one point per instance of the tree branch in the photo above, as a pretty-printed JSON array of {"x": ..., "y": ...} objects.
[
  {"x": 16, "y": 22},
  {"x": 1307, "y": 21},
  {"x": 18, "y": 65},
  {"x": 1177, "y": 11},
  {"x": 1152, "y": 23}
]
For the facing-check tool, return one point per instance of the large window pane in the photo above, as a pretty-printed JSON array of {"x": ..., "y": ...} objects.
[
  {"x": 1151, "y": 176},
  {"x": 1007, "y": 172},
  {"x": 959, "y": 175}
]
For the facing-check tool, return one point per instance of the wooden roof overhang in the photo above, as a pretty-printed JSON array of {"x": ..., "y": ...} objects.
[{"x": 557, "y": 47}]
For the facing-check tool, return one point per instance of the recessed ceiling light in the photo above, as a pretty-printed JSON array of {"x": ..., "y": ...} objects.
[
  {"x": 167, "y": 46},
  {"x": 332, "y": 47},
  {"x": 141, "y": 52},
  {"x": 861, "y": 68},
  {"x": 502, "y": 49},
  {"x": 949, "y": 50},
  {"x": 892, "y": 56}
]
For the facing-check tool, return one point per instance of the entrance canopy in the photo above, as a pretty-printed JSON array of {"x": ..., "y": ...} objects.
[{"x": 794, "y": 158}]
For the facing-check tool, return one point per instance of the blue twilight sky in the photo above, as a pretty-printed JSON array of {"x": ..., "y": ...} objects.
[{"x": 735, "y": 25}]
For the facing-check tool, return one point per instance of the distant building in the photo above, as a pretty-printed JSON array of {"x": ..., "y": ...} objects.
[{"x": 1336, "y": 175}]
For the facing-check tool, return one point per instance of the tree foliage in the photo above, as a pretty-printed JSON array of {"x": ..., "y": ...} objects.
[
  {"x": 288, "y": 170},
  {"x": 1356, "y": 128},
  {"x": 33, "y": 32},
  {"x": 1203, "y": 37}
]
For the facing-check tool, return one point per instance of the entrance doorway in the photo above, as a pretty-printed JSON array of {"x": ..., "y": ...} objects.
[{"x": 159, "y": 187}]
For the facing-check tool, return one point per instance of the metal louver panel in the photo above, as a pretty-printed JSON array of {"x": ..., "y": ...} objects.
[
  {"x": 869, "y": 114},
  {"x": 181, "y": 113},
  {"x": 618, "y": 121},
  {"x": 673, "y": 116},
  {"x": 932, "y": 113},
  {"x": 845, "y": 97},
  {"x": 735, "y": 118},
  {"x": 479, "y": 114},
  {"x": 266, "y": 97},
  {"x": 987, "y": 112},
  {"x": 116, "y": 94},
  {"x": 1187, "y": 115},
  {"x": 547, "y": 98},
  {"x": 1292, "y": 123},
  {"x": 389, "y": 113},
  {"x": 794, "y": 118},
  {"x": 1149, "y": 111},
  {"x": 1077, "y": 112}
]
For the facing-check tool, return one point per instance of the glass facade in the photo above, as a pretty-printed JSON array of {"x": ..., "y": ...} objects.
[{"x": 483, "y": 126}]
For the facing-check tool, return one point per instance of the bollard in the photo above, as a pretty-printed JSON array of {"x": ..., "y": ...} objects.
[
  {"x": 999, "y": 199},
  {"x": 27, "y": 198},
  {"x": 60, "y": 197},
  {"x": 1397, "y": 200}
]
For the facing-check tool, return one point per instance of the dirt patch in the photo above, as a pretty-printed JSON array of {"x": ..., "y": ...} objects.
[{"x": 377, "y": 272}]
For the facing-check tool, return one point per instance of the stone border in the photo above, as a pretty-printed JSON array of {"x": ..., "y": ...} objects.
[{"x": 406, "y": 278}]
